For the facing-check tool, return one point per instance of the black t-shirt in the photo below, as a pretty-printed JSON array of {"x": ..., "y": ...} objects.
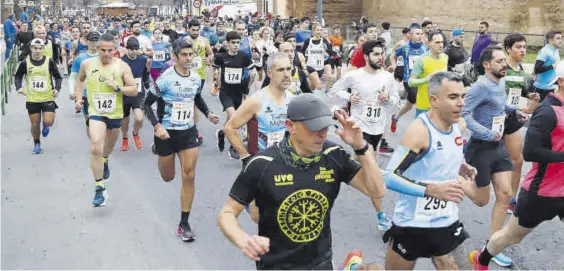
[
  {"x": 456, "y": 55},
  {"x": 234, "y": 71},
  {"x": 294, "y": 204}
]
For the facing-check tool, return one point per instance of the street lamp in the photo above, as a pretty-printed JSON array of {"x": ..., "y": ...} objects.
[{"x": 320, "y": 11}]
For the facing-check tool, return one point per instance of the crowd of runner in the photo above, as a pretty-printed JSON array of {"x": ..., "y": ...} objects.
[{"x": 273, "y": 79}]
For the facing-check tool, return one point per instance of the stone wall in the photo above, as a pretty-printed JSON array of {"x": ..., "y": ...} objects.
[{"x": 334, "y": 11}]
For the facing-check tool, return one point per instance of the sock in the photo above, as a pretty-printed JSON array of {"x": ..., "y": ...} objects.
[
  {"x": 513, "y": 201},
  {"x": 36, "y": 141},
  {"x": 100, "y": 183},
  {"x": 380, "y": 215},
  {"x": 135, "y": 134},
  {"x": 105, "y": 159},
  {"x": 485, "y": 257},
  {"x": 184, "y": 217}
]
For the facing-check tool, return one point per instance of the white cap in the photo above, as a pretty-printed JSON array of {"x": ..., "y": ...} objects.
[
  {"x": 37, "y": 42},
  {"x": 559, "y": 73}
]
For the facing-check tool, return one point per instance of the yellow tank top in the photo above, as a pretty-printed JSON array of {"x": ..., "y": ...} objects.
[
  {"x": 295, "y": 86},
  {"x": 48, "y": 49},
  {"x": 38, "y": 82},
  {"x": 430, "y": 65},
  {"x": 199, "y": 55},
  {"x": 103, "y": 100}
]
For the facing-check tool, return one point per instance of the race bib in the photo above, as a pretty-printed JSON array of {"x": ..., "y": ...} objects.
[
  {"x": 182, "y": 113},
  {"x": 159, "y": 56},
  {"x": 274, "y": 137},
  {"x": 429, "y": 208},
  {"x": 498, "y": 124},
  {"x": 411, "y": 62},
  {"x": 513, "y": 96},
  {"x": 373, "y": 112},
  {"x": 233, "y": 75},
  {"x": 316, "y": 62},
  {"x": 139, "y": 84},
  {"x": 38, "y": 83},
  {"x": 104, "y": 102},
  {"x": 399, "y": 61},
  {"x": 197, "y": 63}
]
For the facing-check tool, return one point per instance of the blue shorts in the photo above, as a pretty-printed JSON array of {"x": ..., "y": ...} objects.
[{"x": 110, "y": 123}]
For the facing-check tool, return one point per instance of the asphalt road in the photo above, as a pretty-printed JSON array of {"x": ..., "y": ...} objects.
[{"x": 48, "y": 221}]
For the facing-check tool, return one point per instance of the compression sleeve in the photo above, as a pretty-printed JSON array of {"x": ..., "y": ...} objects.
[
  {"x": 400, "y": 161},
  {"x": 201, "y": 104},
  {"x": 149, "y": 100},
  {"x": 540, "y": 68},
  {"x": 72, "y": 82}
]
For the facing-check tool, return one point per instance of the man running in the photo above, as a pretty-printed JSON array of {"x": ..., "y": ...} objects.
[
  {"x": 175, "y": 130},
  {"x": 39, "y": 91},
  {"x": 546, "y": 63},
  {"x": 370, "y": 31},
  {"x": 234, "y": 74},
  {"x": 414, "y": 48},
  {"x": 424, "y": 67},
  {"x": 303, "y": 171},
  {"x": 429, "y": 173},
  {"x": 140, "y": 70},
  {"x": 541, "y": 197},
  {"x": 299, "y": 78},
  {"x": 337, "y": 41},
  {"x": 517, "y": 83},
  {"x": 373, "y": 97},
  {"x": 145, "y": 44},
  {"x": 485, "y": 111},
  {"x": 80, "y": 45},
  {"x": 50, "y": 50},
  {"x": 106, "y": 79}
]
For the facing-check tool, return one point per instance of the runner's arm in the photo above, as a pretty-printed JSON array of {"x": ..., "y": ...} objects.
[
  {"x": 412, "y": 145},
  {"x": 414, "y": 78},
  {"x": 247, "y": 111},
  {"x": 129, "y": 84},
  {"x": 367, "y": 176},
  {"x": 475, "y": 96},
  {"x": 80, "y": 82},
  {"x": 304, "y": 84},
  {"x": 537, "y": 145},
  {"x": 201, "y": 104},
  {"x": 393, "y": 93},
  {"x": 147, "y": 103},
  {"x": 20, "y": 73},
  {"x": 540, "y": 67},
  {"x": 147, "y": 80},
  {"x": 54, "y": 71},
  {"x": 339, "y": 89}
]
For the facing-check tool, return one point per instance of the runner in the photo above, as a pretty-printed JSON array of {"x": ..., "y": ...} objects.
[
  {"x": 546, "y": 63},
  {"x": 51, "y": 49},
  {"x": 399, "y": 67},
  {"x": 299, "y": 78},
  {"x": 145, "y": 45},
  {"x": 303, "y": 34},
  {"x": 373, "y": 98},
  {"x": 517, "y": 84},
  {"x": 175, "y": 128},
  {"x": 140, "y": 70},
  {"x": 541, "y": 197},
  {"x": 302, "y": 169},
  {"x": 486, "y": 109},
  {"x": 106, "y": 79},
  {"x": 429, "y": 173},
  {"x": 315, "y": 49},
  {"x": 337, "y": 41},
  {"x": 370, "y": 31},
  {"x": 424, "y": 67},
  {"x": 39, "y": 72},
  {"x": 234, "y": 74},
  {"x": 161, "y": 55},
  {"x": 414, "y": 48},
  {"x": 80, "y": 45}
]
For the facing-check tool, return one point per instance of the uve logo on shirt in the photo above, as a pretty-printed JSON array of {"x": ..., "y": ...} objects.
[{"x": 283, "y": 179}]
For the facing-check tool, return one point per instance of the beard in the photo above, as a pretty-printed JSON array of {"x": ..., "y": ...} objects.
[
  {"x": 194, "y": 36},
  {"x": 374, "y": 65},
  {"x": 499, "y": 74}
]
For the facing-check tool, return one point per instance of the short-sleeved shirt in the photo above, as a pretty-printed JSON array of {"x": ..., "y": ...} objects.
[
  {"x": 294, "y": 204},
  {"x": 550, "y": 56},
  {"x": 409, "y": 52},
  {"x": 424, "y": 66},
  {"x": 234, "y": 71}
]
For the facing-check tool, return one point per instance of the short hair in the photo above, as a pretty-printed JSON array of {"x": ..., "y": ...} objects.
[
  {"x": 193, "y": 23},
  {"x": 551, "y": 34},
  {"x": 367, "y": 26},
  {"x": 134, "y": 22},
  {"x": 108, "y": 37},
  {"x": 274, "y": 57},
  {"x": 180, "y": 44},
  {"x": 513, "y": 38},
  {"x": 233, "y": 35},
  {"x": 485, "y": 23},
  {"x": 426, "y": 23},
  {"x": 433, "y": 33},
  {"x": 405, "y": 30},
  {"x": 371, "y": 44},
  {"x": 336, "y": 26},
  {"x": 114, "y": 32},
  {"x": 38, "y": 28},
  {"x": 157, "y": 29},
  {"x": 487, "y": 54},
  {"x": 386, "y": 25},
  {"x": 437, "y": 80},
  {"x": 240, "y": 22},
  {"x": 288, "y": 36},
  {"x": 305, "y": 19},
  {"x": 85, "y": 22}
]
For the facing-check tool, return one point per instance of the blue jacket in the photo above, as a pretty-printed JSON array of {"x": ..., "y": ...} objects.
[{"x": 10, "y": 31}]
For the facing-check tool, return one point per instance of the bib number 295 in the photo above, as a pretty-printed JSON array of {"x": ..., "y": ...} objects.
[{"x": 434, "y": 204}]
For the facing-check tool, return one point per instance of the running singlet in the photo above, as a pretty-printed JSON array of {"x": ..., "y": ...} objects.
[
  {"x": 198, "y": 64},
  {"x": 161, "y": 54},
  {"x": 81, "y": 48},
  {"x": 245, "y": 47},
  {"x": 409, "y": 52},
  {"x": 515, "y": 83},
  {"x": 78, "y": 61},
  {"x": 48, "y": 51},
  {"x": 103, "y": 100},
  {"x": 427, "y": 65},
  {"x": 38, "y": 82},
  {"x": 440, "y": 163},
  {"x": 269, "y": 127},
  {"x": 315, "y": 54},
  {"x": 178, "y": 93}
]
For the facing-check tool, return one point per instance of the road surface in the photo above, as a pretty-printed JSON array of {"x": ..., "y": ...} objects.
[{"x": 48, "y": 221}]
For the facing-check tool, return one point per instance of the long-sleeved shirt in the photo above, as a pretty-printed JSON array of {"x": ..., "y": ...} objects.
[
  {"x": 10, "y": 31},
  {"x": 53, "y": 70},
  {"x": 23, "y": 38},
  {"x": 485, "y": 101},
  {"x": 480, "y": 43}
]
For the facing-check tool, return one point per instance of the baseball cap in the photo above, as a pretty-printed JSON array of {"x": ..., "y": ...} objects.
[
  {"x": 93, "y": 36},
  {"x": 311, "y": 111},
  {"x": 132, "y": 43},
  {"x": 559, "y": 73},
  {"x": 37, "y": 42},
  {"x": 457, "y": 32}
]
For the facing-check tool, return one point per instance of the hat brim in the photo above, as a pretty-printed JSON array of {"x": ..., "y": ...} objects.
[
  {"x": 554, "y": 83},
  {"x": 319, "y": 123}
]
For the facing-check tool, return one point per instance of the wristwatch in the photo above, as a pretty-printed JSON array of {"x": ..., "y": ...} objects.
[
  {"x": 363, "y": 150},
  {"x": 118, "y": 89}
]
